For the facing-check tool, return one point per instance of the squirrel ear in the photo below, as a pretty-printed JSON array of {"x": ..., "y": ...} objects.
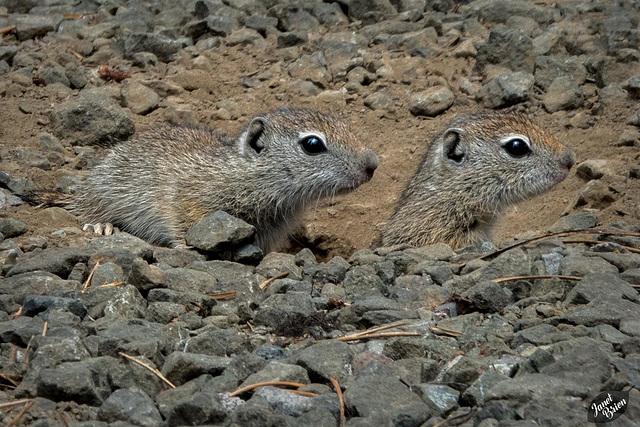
[
  {"x": 252, "y": 138},
  {"x": 453, "y": 147}
]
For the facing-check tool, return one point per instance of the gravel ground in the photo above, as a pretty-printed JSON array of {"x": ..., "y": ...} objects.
[{"x": 455, "y": 338}]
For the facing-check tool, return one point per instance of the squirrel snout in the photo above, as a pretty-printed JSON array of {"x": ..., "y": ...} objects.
[
  {"x": 370, "y": 163},
  {"x": 568, "y": 158}
]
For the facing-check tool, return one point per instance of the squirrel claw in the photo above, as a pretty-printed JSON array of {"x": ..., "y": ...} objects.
[{"x": 99, "y": 228}]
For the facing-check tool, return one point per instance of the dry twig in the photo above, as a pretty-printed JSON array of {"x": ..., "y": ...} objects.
[
  {"x": 443, "y": 331},
  {"x": 16, "y": 314},
  {"x": 152, "y": 369},
  {"x": 45, "y": 329},
  {"x": 78, "y": 15},
  {"x": 7, "y": 30},
  {"x": 336, "y": 386},
  {"x": 18, "y": 417},
  {"x": 541, "y": 276},
  {"x": 223, "y": 295},
  {"x": 264, "y": 384},
  {"x": 267, "y": 282},
  {"x": 7, "y": 377},
  {"x": 25, "y": 362},
  {"x": 85, "y": 285},
  {"x": 13, "y": 403},
  {"x": 379, "y": 335},
  {"x": 112, "y": 284}
]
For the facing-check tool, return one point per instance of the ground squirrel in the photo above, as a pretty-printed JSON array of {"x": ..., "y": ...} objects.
[
  {"x": 481, "y": 164},
  {"x": 164, "y": 181}
]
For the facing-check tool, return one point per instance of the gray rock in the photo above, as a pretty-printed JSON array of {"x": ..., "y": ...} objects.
[
  {"x": 581, "y": 266},
  {"x": 508, "y": 48},
  {"x": 592, "y": 169},
  {"x": 284, "y": 402},
  {"x": 180, "y": 367},
  {"x": 222, "y": 25},
  {"x": 489, "y": 296},
  {"x": 326, "y": 359},
  {"x": 506, "y": 89},
  {"x": 441, "y": 399},
  {"x": 59, "y": 261},
  {"x": 530, "y": 387},
  {"x": 148, "y": 59},
  {"x": 579, "y": 221},
  {"x": 312, "y": 68},
  {"x": 121, "y": 241},
  {"x": 358, "y": 9},
  {"x": 219, "y": 232},
  {"x": 431, "y": 102},
  {"x": 333, "y": 271},
  {"x": 91, "y": 119},
  {"x": 292, "y": 38},
  {"x": 32, "y": 26},
  {"x": 363, "y": 280},
  {"x": 244, "y": 37},
  {"x": 19, "y": 331},
  {"x": 53, "y": 73},
  {"x": 75, "y": 75},
  {"x": 277, "y": 371},
  {"x": 222, "y": 342},
  {"x": 610, "y": 312},
  {"x": 184, "y": 279},
  {"x": 261, "y": 23},
  {"x": 476, "y": 393},
  {"x": 397, "y": 404},
  {"x": 284, "y": 312},
  {"x": 563, "y": 94},
  {"x": 85, "y": 381},
  {"x": 35, "y": 283},
  {"x": 548, "y": 68},
  {"x": 35, "y": 304},
  {"x": 596, "y": 286},
  {"x": 12, "y": 227},
  {"x": 198, "y": 409},
  {"x": 539, "y": 335},
  {"x": 404, "y": 347},
  {"x": 379, "y": 101},
  {"x": 7, "y": 53},
  {"x": 499, "y": 11},
  {"x": 587, "y": 365},
  {"x": 138, "y": 97},
  {"x": 276, "y": 263},
  {"x": 131, "y": 406},
  {"x": 163, "y": 47},
  {"x": 144, "y": 276}
]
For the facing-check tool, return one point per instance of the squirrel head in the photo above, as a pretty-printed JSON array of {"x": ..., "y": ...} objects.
[{"x": 307, "y": 150}]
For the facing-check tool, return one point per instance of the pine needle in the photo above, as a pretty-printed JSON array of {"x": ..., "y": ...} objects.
[
  {"x": 267, "y": 282},
  {"x": 18, "y": 417},
  {"x": 85, "y": 285},
  {"x": 336, "y": 386},
  {"x": 541, "y": 276},
  {"x": 223, "y": 295},
  {"x": 264, "y": 384},
  {"x": 145, "y": 365}
]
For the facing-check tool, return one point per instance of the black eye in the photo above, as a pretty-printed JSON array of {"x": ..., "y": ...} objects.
[
  {"x": 313, "y": 145},
  {"x": 517, "y": 148}
]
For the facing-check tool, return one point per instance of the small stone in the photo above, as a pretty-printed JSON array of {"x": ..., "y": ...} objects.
[
  {"x": 579, "y": 221},
  {"x": 138, "y": 97},
  {"x": 379, "y": 101},
  {"x": 506, "y": 89},
  {"x": 397, "y": 405},
  {"x": 219, "y": 232},
  {"x": 12, "y": 228},
  {"x": 441, "y": 399},
  {"x": 629, "y": 138},
  {"x": 599, "y": 285},
  {"x": 162, "y": 46},
  {"x": 592, "y": 169},
  {"x": 293, "y": 38},
  {"x": 32, "y": 26},
  {"x": 92, "y": 118},
  {"x": 431, "y": 102},
  {"x": 507, "y": 47},
  {"x": 131, "y": 406},
  {"x": 243, "y": 37},
  {"x": 563, "y": 94},
  {"x": 489, "y": 296},
  {"x": 180, "y": 367}
]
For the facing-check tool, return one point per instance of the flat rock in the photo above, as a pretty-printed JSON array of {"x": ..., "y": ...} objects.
[
  {"x": 431, "y": 102},
  {"x": 219, "y": 232},
  {"x": 93, "y": 118},
  {"x": 131, "y": 406}
]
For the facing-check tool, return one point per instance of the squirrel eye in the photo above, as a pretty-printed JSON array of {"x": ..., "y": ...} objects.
[
  {"x": 313, "y": 145},
  {"x": 517, "y": 148}
]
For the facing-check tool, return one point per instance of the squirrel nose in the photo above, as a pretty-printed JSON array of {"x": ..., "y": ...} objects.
[
  {"x": 568, "y": 158},
  {"x": 370, "y": 163}
]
